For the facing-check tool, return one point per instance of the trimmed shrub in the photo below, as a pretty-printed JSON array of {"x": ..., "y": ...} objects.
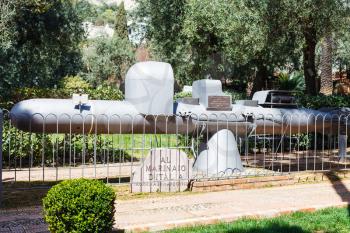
[{"x": 79, "y": 205}]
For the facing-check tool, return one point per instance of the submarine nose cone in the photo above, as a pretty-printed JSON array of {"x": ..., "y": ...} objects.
[
  {"x": 24, "y": 114},
  {"x": 21, "y": 108}
]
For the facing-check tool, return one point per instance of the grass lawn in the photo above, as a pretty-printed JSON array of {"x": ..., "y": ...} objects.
[{"x": 332, "y": 220}]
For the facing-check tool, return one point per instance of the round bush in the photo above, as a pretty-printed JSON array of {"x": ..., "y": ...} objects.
[{"x": 79, "y": 205}]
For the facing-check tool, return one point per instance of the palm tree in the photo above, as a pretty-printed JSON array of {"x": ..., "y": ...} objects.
[{"x": 326, "y": 65}]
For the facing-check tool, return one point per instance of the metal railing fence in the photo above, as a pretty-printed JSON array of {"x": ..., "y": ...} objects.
[{"x": 267, "y": 145}]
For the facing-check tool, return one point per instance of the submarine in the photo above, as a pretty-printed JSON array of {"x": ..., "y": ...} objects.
[{"x": 149, "y": 108}]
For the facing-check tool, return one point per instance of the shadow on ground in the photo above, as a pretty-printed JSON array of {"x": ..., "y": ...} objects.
[{"x": 339, "y": 187}]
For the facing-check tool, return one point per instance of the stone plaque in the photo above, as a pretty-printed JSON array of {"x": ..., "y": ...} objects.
[
  {"x": 219, "y": 103},
  {"x": 190, "y": 100},
  {"x": 163, "y": 170}
]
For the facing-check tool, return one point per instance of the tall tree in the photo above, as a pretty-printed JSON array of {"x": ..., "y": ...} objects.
[
  {"x": 314, "y": 20},
  {"x": 121, "y": 27},
  {"x": 260, "y": 35},
  {"x": 245, "y": 33},
  {"x": 46, "y": 45},
  {"x": 163, "y": 21},
  {"x": 107, "y": 59},
  {"x": 218, "y": 37}
]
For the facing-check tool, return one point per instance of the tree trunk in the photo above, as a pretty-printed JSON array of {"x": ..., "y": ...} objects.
[
  {"x": 309, "y": 52},
  {"x": 260, "y": 79},
  {"x": 326, "y": 66},
  {"x": 348, "y": 71}
]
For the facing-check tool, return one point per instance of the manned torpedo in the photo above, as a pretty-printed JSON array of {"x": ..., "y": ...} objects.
[{"x": 149, "y": 108}]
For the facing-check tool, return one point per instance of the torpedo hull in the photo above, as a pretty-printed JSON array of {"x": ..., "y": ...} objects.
[{"x": 110, "y": 117}]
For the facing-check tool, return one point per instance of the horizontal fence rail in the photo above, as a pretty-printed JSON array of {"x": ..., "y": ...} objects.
[{"x": 57, "y": 147}]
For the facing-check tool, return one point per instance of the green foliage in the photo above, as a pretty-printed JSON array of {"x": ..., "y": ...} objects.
[
  {"x": 239, "y": 39},
  {"x": 7, "y": 14},
  {"x": 304, "y": 141},
  {"x": 23, "y": 145},
  {"x": 342, "y": 53},
  {"x": 45, "y": 47},
  {"x": 79, "y": 205},
  {"x": 105, "y": 92},
  {"x": 24, "y": 93},
  {"x": 98, "y": 14},
  {"x": 216, "y": 37},
  {"x": 291, "y": 82},
  {"x": 86, "y": 11},
  {"x": 68, "y": 87},
  {"x": 313, "y": 20},
  {"x": 321, "y": 101},
  {"x": 235, "y": 95},
  {"x": 107, "y": 59},
  {"x": 182, "y": 94},
  {"x": 103, "y": 14},
  {"x": 163, "y": 20},
  {"x": 165, "y": 23},
  {"x": 75, "y": 84},
  {"x": 108, "y": 16},
  {"x": 121, "y": 27}
]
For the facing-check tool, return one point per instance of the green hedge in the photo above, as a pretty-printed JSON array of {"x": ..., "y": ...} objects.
[
  {"x": 321, "y": 101},
  {"x": 79, "y": 205},
  {"x": 68, "y": 86}
]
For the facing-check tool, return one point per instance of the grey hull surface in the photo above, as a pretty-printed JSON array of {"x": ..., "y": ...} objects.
[
  {"x": 110, "y": 117},
  {"x": 293, "y": 121},
  {"x": 277, "y": 121}
]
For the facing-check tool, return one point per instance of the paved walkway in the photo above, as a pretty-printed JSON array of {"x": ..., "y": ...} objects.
[
  {"x": 183, "y": 210},
  {"x": 22, "y": 220},
  {"x": 164, "y": 213},
  {"x": 101, "y": 171}
]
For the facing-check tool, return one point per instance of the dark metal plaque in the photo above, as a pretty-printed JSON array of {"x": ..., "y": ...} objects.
[{"x": 219, "y": 103}]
